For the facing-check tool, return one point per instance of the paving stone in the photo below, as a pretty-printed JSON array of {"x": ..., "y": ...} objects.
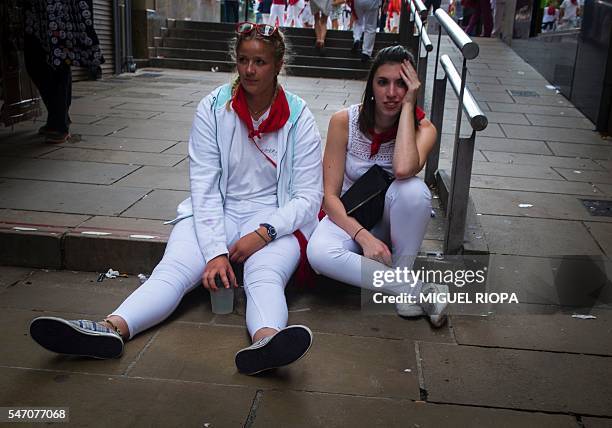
[
  {"x": 581, "y": 150},
  {"x": 181, "y": 148},
  {"x": 486, "y": 96},
  {"x": 182, "y": 352},
  {"x": 602, "y": 233},
  {"x": 561, "y": 122},
  {"x": 585, "y": 175},
  {"x": 606, "y": 188},
  {"x": 9, "y": 275},
  {"x": 159, "y": 204},
  {"x": 557, "y": 332},
  {"x": 534, "y": 185},
  {"x": 194, "y": 308},
  {"x": 535, "y": 109},
  {"x": 131, "y": 114},
  {"x": 99, "y": 130},
  {"x": 33, "y": 147},
  {"x": 492, "y": 130},
  {"x": 545, "y": 205},
  {"x": 607, "y": 164},
  {"x": 527, "y": 159},
  {"x": 307, "y": 409},
  {"x": 512, "y": 145},
  {"x": 60, "y": 170},
  {"x": 111, "y": 156},
  {"x": 158, "y": 177},
  {"x": 66, "y": 197},
  {"x": 543, "y": 100},
  {"x": 21, "y": 351},
  {"x": 515, "y": 118},
  {"x": 167, "y": 403},
  {"x": 537, "y": 237},
  {"x": 176, "y": 117},
  {"x": 596, "y": 422},
  {"x": 65, "y": 291},
  {"x": 43, "y": 220},
  {"x": 126, "y": 226},
  {"x": 152, "y": 107},
  {"x": 479, "y": 376},
  {"x": 123, "y": 144},
  {"x": 509, "y": 170},
  {"x": 175, "y": 132},
  {"x": 552, "y": 134}
]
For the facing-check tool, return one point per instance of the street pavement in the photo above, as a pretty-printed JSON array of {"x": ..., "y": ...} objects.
[{"x": 99, "y": 202}]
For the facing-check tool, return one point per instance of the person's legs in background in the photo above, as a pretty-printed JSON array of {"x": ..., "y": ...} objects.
[{"x": 487, "y": 17}]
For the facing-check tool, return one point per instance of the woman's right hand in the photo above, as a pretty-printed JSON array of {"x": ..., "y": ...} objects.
[
  {"x": 373, "y": 248},
  {"x": 219, "y": 265}
]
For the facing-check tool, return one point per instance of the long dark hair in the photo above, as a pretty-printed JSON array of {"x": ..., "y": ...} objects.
[{"x": 367, "y": 113}]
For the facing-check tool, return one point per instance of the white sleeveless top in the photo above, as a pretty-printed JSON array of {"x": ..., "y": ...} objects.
[{"x": 358, "y": 159}]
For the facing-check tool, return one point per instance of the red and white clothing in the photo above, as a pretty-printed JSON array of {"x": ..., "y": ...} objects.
[
  {"x": 333, "y": 252},
  {"x": 277, "y": 13}
]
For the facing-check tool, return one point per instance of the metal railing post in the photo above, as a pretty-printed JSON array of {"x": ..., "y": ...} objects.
[{"x": 437, "y": 119}]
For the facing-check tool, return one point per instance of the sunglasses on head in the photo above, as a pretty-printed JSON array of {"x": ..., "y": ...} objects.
[{"x": 262, "y": 29}]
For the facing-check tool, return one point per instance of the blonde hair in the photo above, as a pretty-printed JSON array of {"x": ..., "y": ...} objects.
[{"x": 276, "y": 41}]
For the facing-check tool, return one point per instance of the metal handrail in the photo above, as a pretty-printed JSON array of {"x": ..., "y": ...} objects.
[
  {"x": 468, "y": 48},
  {"x": 476, "y": 117},
  {"x": 425, "y": 40},
  {"x": 423, "y": 11}
]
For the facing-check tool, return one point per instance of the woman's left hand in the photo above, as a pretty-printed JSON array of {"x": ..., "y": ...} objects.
[
  {"x": 245, "y": 247},
  {"x": 410, "y": 78}
]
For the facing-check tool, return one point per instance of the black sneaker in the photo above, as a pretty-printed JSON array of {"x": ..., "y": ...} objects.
[
  {"x": 82, "y": 338},
  {"x": 365, "y": 57},
  {"x": 285, "y": 347},
  {"x": 356, "y": 47}
]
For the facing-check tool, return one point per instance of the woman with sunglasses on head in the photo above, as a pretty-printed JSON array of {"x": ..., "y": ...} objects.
[
  {"x": 256, "y": 190},
  {"x": 389, "y": 130}
]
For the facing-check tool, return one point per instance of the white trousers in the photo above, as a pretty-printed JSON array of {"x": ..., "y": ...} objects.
[
  {"x": 293, "y": 14},
  {"x": 266, "y": 274},
  {"x": 277, "y": 11},
  {"x": 367, "y": 23},
  {"x": 333, "y": 253}
]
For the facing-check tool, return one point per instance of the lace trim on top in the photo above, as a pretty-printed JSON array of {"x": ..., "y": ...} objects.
[{"x": 359, "y": 144}]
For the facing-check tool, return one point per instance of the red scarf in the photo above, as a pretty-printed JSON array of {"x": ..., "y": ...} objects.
[
  {"x": 278, "y": 116},
  {"x": 386, "y": 136}
]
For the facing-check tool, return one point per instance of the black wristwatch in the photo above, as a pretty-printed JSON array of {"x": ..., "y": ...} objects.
[{"x": 271, "y": 231}]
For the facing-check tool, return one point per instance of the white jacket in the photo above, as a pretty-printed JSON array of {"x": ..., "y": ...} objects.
[{"x": 299, "y": 171}]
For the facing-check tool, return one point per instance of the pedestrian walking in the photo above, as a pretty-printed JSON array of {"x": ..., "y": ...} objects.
[
  {"x": 321, "y": 9},
  {"x": 256, "y": 189},
  {"x": 482, "y": 10},
  {"x": 293, "y": 13},
  {"x": 59, "y": 34},
  {"x": 365, "y": 25},
  {"x": 277, "y": 13},
  {"x": 389, "y": 131}
]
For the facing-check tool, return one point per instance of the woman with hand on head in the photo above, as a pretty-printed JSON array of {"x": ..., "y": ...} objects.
[
  {"x": 389, "y": 130},
  {"x": 256, "y": 190}
]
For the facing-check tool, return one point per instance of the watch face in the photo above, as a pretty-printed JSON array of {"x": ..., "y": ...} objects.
[{"x": 270, "y": 229}]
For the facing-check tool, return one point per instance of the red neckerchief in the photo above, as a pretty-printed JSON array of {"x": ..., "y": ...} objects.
[
  {"x": 388, "y": 135},
  {"x": 551, "y": 10},
  {"x": 278, "y": 116}
]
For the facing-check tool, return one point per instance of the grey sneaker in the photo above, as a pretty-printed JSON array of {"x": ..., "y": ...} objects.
[
  {"x": 436, "y": 310},
  {"x": 77, "y": 337},
  {"x": 409, "y": 310},
  {"x": 285, "y": 347}
]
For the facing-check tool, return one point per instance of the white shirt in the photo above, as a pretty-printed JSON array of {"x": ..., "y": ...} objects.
[
  {"x": 569, "y": 9},
  {"x": 251, "y": 176}
]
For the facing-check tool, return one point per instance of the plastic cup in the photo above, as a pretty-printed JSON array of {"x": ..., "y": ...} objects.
[{"x": 222, "y": 301}]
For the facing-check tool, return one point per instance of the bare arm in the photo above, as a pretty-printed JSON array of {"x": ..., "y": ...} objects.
[
  {"x": 334, "y": 161},
  {"x": 411, "y": 146}
]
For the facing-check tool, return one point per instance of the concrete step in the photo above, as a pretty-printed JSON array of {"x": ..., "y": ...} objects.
[
  {"x": 305, "y": 60},
  {"x": 288, "y": 31},
  {"x": 222, "y": 45},
  {"x": 298, "y": 40},
  {"x": 228, "y": 66}
]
